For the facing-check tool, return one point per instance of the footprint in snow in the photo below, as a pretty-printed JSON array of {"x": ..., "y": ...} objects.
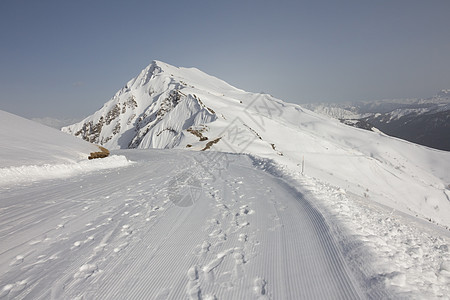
[
  {"x": 205, "y": 247},
  {"x": 259, "y": 287},
  {"x": 120, "y": 248},
  {"x": 193, "y": 286},
  {"x": 17, "y": 260},
  {"x": 77, "y": 244},
  {"x": 244, "y": 210},
  {"x": 86, "y": 271},
  {"x": 127, "y": 230},
  {"x": 239, "y": 261},
  {"x": 243, "y": 237},
  {"x": 241, "y": 225},
  {"x": 11, "y": 290}
]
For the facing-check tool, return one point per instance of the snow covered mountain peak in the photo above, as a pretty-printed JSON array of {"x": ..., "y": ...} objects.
[{"x": 147, "y": 112}]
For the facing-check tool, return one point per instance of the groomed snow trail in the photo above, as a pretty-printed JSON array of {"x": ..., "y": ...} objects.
[{"x": 173, "y": 225}]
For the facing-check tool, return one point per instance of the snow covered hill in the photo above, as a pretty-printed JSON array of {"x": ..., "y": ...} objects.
[
  {"x": 31, "y": 151},
  {"x": 46, "y": 145},
  {"x": 184, "y": 108}
]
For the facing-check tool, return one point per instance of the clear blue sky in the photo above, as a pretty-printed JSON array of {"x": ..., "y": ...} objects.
[{"x": 66, "y": 58}]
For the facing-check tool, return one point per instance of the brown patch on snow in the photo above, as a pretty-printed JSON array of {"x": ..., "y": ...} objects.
[
  {"x": 100, "y": 154},
  {"x": 210, "y": 143}
]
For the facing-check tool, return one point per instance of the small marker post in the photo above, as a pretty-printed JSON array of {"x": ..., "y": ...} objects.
[{"x": 303, "y": 164}]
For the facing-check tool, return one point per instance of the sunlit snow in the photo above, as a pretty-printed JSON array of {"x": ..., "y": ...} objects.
[{"x": 282, "y": 204}]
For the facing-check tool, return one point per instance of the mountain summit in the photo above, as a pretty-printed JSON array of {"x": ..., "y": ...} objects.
[{"x": 156, "y": 109}]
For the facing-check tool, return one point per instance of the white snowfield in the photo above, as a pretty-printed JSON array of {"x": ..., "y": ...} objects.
[{"x": 195, "y": 225}]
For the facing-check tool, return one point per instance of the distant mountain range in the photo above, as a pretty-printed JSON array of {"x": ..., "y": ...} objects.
[
  {"x": 422, "y": 121},
  {"x": 56, "y": 123}
]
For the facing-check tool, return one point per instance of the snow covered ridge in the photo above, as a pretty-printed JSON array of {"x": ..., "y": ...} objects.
[{"x": 32, "y": 173}]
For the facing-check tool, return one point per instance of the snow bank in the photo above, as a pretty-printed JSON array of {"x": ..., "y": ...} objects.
[
  {"x": 384, "y": 247},
  {"x": 409, "y": 256},
  {"x": 25, "y": 142},
  {"x": 31, "y": 173},
  {"x": 31, "y": 152}
]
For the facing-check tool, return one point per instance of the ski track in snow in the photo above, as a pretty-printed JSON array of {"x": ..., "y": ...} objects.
[{"x": 120, "y": 234}]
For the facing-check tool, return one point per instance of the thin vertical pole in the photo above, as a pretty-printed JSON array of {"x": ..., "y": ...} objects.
[{"x": 303, "y": 164}]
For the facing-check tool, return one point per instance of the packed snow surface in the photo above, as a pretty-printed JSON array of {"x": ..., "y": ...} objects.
[
  {"x": 195, "y": 225},
  {"x": 166, "y": 228}
]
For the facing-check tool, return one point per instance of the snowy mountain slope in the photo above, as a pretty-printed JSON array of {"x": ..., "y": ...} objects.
[
  {"x": 170, "y": 107},
  {"x": 151, "y": 111},
  {"x": 422, "y": 121},
  {"x": 31, "y": 151},
  {"x": 207, "y": 225},
  {"x": 46, "y": 145}
]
